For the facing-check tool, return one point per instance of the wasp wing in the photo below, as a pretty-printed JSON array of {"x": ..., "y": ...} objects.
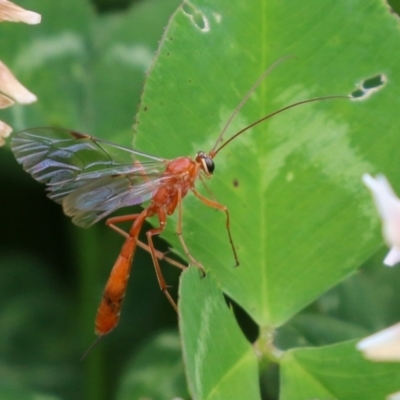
[
  {"x": 102, "y": 196},
  {"x": 55, "y": 155},
  {"x": 90, "y": 177}
]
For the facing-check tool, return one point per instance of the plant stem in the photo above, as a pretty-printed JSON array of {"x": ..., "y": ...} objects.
[
  {"x": 265, "y": 350},
  {"x": 87, "y": 245}
]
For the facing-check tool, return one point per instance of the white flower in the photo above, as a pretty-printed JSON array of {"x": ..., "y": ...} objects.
[
  {"x": 13, "y": 13},
  {"x": 10, "y": 86},
  {"x": 5, "y": 131},
  {"x": 10, "y": 89},
  {"x": 383, "y": 345},
  {"x": 388, "y": 205}
]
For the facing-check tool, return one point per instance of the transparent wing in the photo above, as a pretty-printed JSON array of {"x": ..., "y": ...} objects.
[
  {"x": 55, "y": 156},
  {"x": 100, "y": 197},
  {"x": 90, "y": 177}
]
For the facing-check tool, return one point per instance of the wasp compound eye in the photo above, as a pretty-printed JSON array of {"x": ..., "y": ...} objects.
[
  {"x": 206, "y": 161},
  {"x": 209, "y": 164}
]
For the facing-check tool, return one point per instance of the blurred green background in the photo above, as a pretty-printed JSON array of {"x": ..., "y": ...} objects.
[{"x": 50, "y": 284}]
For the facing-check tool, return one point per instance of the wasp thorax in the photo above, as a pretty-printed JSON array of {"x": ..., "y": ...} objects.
[{"x": 206, "y": 162}]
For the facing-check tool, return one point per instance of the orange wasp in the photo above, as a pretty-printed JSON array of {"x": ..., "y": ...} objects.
[{"x": 91, "y": 178}]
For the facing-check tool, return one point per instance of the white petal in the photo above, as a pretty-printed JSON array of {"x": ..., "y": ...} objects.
[
  {"x": 11, "y": 12},
  {"x": 388, "y": 205},
  {"x": 5, "y": 131},
  {"x": 393, "y": 396},
  {"x": 393, "y": 257},
  {"x": 10, "y": 86},
  {"x": 5, "y": 101},
  {"x": 382, "y": 346}
]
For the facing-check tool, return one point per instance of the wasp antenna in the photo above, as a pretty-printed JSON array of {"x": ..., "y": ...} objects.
[
  {"x": 298, "y": 103},
  {"x": 96, "y": 341},
  {"x": 246, "y": 97}
]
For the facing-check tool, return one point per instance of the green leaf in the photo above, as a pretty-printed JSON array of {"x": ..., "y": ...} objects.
[
  {"x": 220, "y": 363},
  {"x": 336, "y": 372},
  {"x": 301, "y": 219}
]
